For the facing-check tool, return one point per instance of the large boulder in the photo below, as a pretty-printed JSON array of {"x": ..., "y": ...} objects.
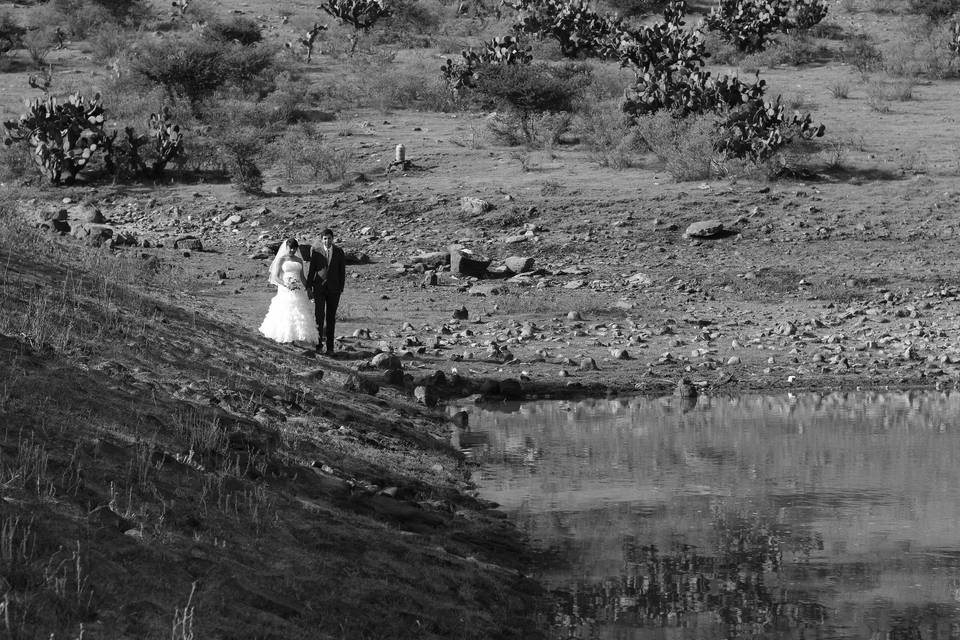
[
  {"x": 359, "y": 384},
  {"x": 86, "y": 213},
  {"x": 355, "y": 257},
  {"x": 470, "y": 204},
  {"x": 92, "y": 234},
  {"x": 464, "y": 262},
  {"x": 704, "y": 229},
  {"x": 190, "y": 243},
  {"x": 519, "y": 264},
  {"x": 386, "y": 361},
  {"x": 432, "y": 260}
]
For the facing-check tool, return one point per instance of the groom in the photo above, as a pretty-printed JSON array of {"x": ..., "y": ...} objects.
[{"x": 325, "y": 280}]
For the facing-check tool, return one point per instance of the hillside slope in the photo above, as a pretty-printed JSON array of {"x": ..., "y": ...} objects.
[{"x": 163, "y": 469}]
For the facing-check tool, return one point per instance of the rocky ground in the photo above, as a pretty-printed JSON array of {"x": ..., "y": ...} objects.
[{"x": 786, "y": 285}]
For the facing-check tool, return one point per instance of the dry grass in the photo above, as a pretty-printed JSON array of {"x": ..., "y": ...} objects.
[{"x": 162, "y": 435}]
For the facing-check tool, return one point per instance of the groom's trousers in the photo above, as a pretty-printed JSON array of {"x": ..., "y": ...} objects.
[{"x": 325, "y": 311}]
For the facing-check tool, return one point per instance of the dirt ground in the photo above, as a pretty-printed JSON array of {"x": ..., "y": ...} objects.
[{"x": 847, "y": 278}]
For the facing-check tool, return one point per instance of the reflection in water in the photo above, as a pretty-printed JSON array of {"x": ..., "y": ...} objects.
[{"x": 811, "y": 516}]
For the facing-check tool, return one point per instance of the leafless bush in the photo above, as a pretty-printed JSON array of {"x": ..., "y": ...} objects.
[
  {"x": 303, "y": 155},
  {"x": 605, "y": 131},
  {"x": 39, "y": 43},
  {"x": 685, "y": 145}
]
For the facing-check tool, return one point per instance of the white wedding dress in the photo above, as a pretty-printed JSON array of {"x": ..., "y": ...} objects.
[{"x": 290, "y": 317}]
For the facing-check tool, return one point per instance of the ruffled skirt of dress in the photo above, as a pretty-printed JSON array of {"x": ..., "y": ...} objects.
[{"x": 290, "y": 318}]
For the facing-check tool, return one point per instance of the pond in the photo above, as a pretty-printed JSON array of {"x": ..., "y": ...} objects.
[{"x": 796, "y": 516}]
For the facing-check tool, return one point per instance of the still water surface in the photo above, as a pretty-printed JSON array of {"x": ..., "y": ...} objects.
[{"x": 809, "y": 516}]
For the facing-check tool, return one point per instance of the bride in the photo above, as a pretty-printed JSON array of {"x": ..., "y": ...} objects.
[{"x": 290, "y": 317}]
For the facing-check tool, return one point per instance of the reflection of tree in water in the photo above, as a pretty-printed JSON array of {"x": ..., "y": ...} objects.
[{"x": 734, "y": 585}]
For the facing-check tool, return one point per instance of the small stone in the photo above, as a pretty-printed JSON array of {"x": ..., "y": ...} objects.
[{"x": 588, "y": 364}]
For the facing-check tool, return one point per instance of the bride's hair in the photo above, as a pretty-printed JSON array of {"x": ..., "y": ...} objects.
[{"x": 287, "y": 249}]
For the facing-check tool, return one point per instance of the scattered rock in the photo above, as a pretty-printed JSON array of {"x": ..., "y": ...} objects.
[
  {"x": 86, "y": 213},
  {"x": 704, "y": 229},
  {"x": 588, "y": 364},
  {"x": 311, "y": 374},
  {"x": 464, "y": 262},
  {"x": 393, "y": 376},
  {"x": 359, "y": 384},
  {"x": 619, "y": 354},
  {"x": 386, "y": 361},
  {"x": 460, "y": 314},
  {"x": 519, "y": 264},
  {"x": 432, "y": 260},
  {"x": 574, "y": 315},
  {"x": 355, "y": 257},
  {"x": 471, "y": 204},
  {"x": 190, "y": 243}
]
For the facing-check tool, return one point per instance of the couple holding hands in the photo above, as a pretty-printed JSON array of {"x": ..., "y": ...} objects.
[{"x": 289, "y": 316}]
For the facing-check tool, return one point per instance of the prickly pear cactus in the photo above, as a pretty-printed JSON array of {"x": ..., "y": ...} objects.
[
  {"x": 460, "y": 74},
  {"x": 167, "y": 139},
  {"x": 749, "y": 24},
  {"x": 578, "y": 29},
  {"x": 758, "y": 129},
  {"x": 65, "y": 136}
]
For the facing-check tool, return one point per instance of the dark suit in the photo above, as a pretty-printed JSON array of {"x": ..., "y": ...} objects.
[{"x": 325, "y": 280}]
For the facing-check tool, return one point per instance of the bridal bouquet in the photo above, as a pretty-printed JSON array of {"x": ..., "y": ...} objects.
[{"x": 292, "y": 282}]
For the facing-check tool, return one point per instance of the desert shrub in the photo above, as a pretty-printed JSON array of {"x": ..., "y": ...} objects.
[
  {"x": 304, "y": 155},
  {"x": 16, "y": 164},
  {"x": 862, "y": 54},
  {"x": 540, "y": 129},
  {"x": 84, "y": 18},
  {"x": 242, "y": 150},
  {"x": 529, "y": 88},
  {"x": 11, "y": 33},
  {"x": 394, "y": 89},
  {"x": 80, "y": 18},
  {"x": 721, "y": 50},
  {"x": 608, "y": 81},
  {"x": 840, "y": 90},
  {"x": 409, "y": 21},
  {"x": 195, "y": 67},
  {"x": 608, "y": 135},
  {"x": 39, "y": 43},
  {"x": 684, "y": 144},
  {"x": 526, "y": 94},
  {"x": 111, "y": 42},
  {"x": 290, "y": 99},
  {"x": 935, "y": 9},
  {"x": 238, "y": 29},
  {"x": 883, "y": 91},
  {"x": 787, "y": 49},
  {"x": 135, "y": 11}
]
